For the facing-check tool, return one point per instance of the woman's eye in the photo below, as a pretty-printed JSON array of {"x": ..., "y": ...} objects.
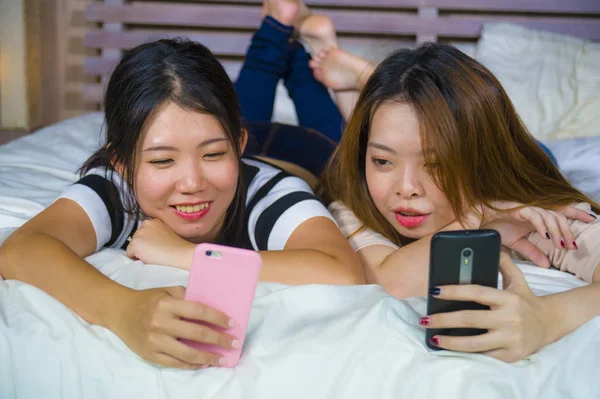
[
  {"x": 161, "y": 162},
  {"x": 381, "y": 162},
  {"x": 214, "y": 155}
]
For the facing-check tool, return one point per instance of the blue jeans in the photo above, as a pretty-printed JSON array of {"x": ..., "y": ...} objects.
[
  {"x": 547, "y": 151},
  {"x": 272, "y": 56}
]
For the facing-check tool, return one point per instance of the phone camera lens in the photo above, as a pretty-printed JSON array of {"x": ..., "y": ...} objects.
[
  {"x": 208, "y": 253},
  {"x": 467, "y": 253}
]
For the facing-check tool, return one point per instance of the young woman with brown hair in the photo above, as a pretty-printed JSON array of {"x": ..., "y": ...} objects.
[{"x": 434, "y": 144}]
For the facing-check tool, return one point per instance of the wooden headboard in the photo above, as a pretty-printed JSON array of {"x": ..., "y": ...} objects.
[{"x": 226, "y": 26}]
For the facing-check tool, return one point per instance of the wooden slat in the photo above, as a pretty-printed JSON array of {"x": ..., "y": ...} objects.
[
  {"x": 113, "y": 27},
  {"x": 96, "y": 66},
  {"x": 200, "y": 15},
  {"x": 539, "y": 6},
  {"x": 471, "y": 26},
  {"x": 346, "y": 21},
  {"x": 221, "y": 43},
  {"x": 467, "y": 26},
  {"x": 348, "y": 3},
  {"x": 429, "y": 14},
  {"x": 93, "y": 93},
  {"x": 242, "y": 17}
]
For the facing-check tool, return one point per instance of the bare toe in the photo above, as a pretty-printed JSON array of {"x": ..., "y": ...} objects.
[{"x": 318, "y": 31}]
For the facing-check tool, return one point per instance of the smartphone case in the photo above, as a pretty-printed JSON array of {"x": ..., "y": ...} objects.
[
  {"x": 444, "y": 269},
  {"x": 226, "y": 283}
]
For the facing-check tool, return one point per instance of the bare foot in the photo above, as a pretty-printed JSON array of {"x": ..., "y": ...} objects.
[
  {"x": 284, "y": 11},
  {"x": 340, "y": 70},
  {"x": 318, "y": 32}
]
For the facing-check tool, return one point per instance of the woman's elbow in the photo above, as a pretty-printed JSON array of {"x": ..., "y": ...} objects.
[
  {"x": 355, "y": 279},
  {"x": 351, "y": 273},
  {"x": 7, "y": 260}
]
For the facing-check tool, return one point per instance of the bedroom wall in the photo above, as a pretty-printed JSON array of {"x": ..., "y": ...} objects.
[
  {"x": 13, "y": 77},
  {"x": 41, "y": 62}
]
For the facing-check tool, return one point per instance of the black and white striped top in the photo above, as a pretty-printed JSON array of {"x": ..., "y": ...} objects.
[{"x": 276, "y": 204}]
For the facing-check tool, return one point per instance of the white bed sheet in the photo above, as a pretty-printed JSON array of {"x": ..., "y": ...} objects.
[{"x": 310, "y": 341}]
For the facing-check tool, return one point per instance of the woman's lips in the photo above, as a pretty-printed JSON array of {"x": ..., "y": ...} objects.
[
  {"x": 410, "y": 221},
  {"x": 193, "y": 215}
]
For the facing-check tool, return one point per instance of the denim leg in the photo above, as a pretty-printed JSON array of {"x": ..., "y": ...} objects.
[
  {"x": 304, "y": 147},
  {"x": 266, "y": 62},
  {"x": 314, "y": 106},
  {"x": 547, "y": 151}
]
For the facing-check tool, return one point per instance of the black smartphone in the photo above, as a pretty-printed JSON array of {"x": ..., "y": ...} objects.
[{"x": 461, "y": 257}]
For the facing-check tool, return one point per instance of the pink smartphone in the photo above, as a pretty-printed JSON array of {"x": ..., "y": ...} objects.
[{"x": 225, "y": 279}]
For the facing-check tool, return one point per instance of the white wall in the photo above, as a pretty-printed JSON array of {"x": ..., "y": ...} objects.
[{"x": 13, "y": 76}]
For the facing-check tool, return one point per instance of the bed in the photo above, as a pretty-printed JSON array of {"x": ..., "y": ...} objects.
[{"x": 311, "y": 341}]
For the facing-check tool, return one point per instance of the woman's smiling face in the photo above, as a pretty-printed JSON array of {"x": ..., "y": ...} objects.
[{"x": 186, "y": 172}]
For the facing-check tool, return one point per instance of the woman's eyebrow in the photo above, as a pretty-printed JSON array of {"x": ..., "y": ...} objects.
[
  {"x": 382, "y": 147},
  {"x": 169, "y": 148}
]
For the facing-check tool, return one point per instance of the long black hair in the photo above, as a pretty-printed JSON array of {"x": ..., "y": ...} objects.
[{"x": 145, "y": 79}]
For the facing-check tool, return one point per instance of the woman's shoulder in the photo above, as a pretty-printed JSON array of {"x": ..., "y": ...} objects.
[
  {"x": 104, "y": 195},
  {"x": 276, "y": 204},
  {"x": 262, "y": 176},
  {"x": 355, "y": 231}
]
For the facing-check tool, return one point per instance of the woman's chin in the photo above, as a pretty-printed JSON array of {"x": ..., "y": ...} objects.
[
  {"x": 415, "y": 233},
  {"x": 197, "y": 237}
]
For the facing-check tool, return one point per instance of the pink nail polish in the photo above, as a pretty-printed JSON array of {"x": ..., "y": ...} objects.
[
  {"x": 575, "y": 245},
  {"x": 222, "y": 361},
  {"x": 424, "y": 321},
  {"x": 562, "y": 243},
  {"x": 236, "y": 344},
  {"x": 434, "y": 341}
]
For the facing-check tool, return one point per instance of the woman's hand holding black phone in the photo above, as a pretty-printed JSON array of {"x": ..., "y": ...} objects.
[{"x": 514, "y": 324}]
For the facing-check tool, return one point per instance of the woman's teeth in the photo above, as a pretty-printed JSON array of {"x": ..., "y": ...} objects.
[
  {"x": 191, "y": 208},
  {"x": 410, "y": 214}
]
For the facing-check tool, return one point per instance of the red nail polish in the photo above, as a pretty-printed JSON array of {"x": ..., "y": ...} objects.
[
  {"x": 562, "y": 243},
  {"x": 424, "y": 321},
  {"x": 434, "y": 341},
  {"x": 575, "y": 245}
]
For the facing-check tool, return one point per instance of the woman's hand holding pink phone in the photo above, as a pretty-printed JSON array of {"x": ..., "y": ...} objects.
[
  {"x": 154, "y": 321},
  {"x": 224, "y": 278}
]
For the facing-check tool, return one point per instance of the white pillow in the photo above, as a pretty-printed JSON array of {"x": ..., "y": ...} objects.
[
  {"x": 552, "y": 79},
  {"x": 578, "y": 160}
]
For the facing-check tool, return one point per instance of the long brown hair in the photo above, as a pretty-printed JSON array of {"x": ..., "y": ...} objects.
[{"x": 484, "y": 151}]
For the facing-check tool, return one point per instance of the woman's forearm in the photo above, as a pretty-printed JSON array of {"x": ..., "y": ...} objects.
[
  {"x": 45, "y": 262},
  {"x": 565, "y": 311},
  {"x": 298, "y": 266},
  {"x": 405, "y": 272},
  {"x": 308, "y": 266}
]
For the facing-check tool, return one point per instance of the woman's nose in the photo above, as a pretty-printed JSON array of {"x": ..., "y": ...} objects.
[
  {"x": 408, "y": 185},
  {"x": 191, "y": 181}
]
